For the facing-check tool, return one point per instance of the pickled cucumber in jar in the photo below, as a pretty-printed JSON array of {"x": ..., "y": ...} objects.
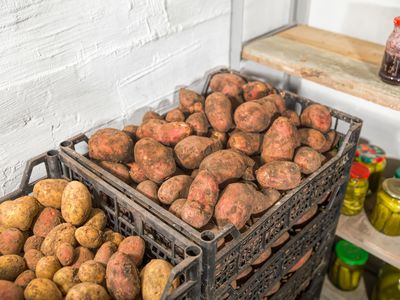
[
  {"x": 388, "y": 285},
  {"x": 356, "y": 191},
  {"x": 347, "y": 269},
  {"x": 375, "y": 159},
  {"x": 385, "y": 216}
]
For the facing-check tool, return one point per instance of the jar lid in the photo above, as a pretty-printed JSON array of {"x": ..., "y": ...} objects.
[
  {"x": 396, "y": 21},
  {"x": 370, "y": 153},
  {"x": 392, "y": 187},
  {"x": 397, "y": 173},
  {"x": 359, "y": 171},
  {"x": 350, "y": 254}
]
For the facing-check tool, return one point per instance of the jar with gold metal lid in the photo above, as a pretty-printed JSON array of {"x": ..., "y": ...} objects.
[{"x": 385, "y": 215}]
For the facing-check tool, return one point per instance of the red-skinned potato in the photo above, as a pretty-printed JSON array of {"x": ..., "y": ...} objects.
[
  {"x": 218, "y": 110},
  {"x": 10, "y": 291},
  {"x": 65, "y": 254},
  {"x": 81, "y": 254},
  {"x": 203, "y": 195},
  {"x": 263, "y": 201},
  {"x": 292, "y": 116},
  {"x": 248, "y": 143},
  {"x": 307, "y": 159},
  {"x": 174, "y": 188},
  {"x": 301, "y": 261},
  {"x": 280, "y": 175},
  {"x": 23, "y": 280},
  {"x": 11, "y": 241},
  {"x": 149, "y": 189},
  {"x": 313, "y": 138},
  {"x": 240, "y": 165},
  {"x": 235, "y": 205},
  {"x": 219, "y": 81},
  {"x": 199, "y": 123},
  {"x": 156, "y": 160},
  {"x": 105, "y": 252},
  {"x": 251, "y": 117},
  {"x": 219, "y": 136},
  {"x": 164, "y": 132},
  {"x": 190, "y": 101},
  {"x": 280, "y": 141},
  {"x": 131, "y": 131},
  {"x": 46, "y": 221},
  {"x": 32, "y": 257},
  {"x": 281, "y": 240},
  {"x": 122, "y": 277},
  {"x": 118, "y": 170},
  {"x": 110, "y": 144},
  {"x": 134, "y": 247},
  {"x": 175, "y": 115},
  {"x": 192, "y": 150},
  {"x": 256, "y": 89},
  {"x": 176, "y": 207},
  {"x": 278, "y": 101},
  {"x": 331, "y": 139},
  {"x": 316, "y": 116},
  {"x": 151, "y": 115},
  {"x": 33, "y": 242},
  {"x": 136, "y": 173}
]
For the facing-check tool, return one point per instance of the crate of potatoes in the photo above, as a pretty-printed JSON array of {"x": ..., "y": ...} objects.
[
  {"x": 234, "y": 167},
  {"x": 67, "y": 234}
]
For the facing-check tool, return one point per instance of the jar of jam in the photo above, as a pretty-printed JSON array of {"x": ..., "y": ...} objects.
[
  {"x": 356, "y": 191},
  {"x": 388, "y": 285},
  {"x": 390, "y": 68},
  {"x": 385, "y": 215},
  {"x": 348, "y": 266},
  {"x": 375, "y": 159}
]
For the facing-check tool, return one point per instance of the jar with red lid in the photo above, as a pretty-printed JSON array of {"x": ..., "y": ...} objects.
[
  {"x": 356, "y": 191},
  {"x": 390, "y": 68}
]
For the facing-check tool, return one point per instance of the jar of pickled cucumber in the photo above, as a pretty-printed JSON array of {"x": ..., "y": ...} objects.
[
  {"x": 356, "y": 191},
  {"x": 385, "y": 216},
  {"x": 388, "y": 285},
  {"x": 346, "y": 271},
  {"x": 375, "y": 159}
]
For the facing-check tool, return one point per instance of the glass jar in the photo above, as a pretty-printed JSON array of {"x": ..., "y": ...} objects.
[
  {"x": 388, "y": 285},
  {"x": 356, "y": 191},
  {"x": 346, "y": 271},
  {"x": 375, "y": 159},
  {"x": 397, "y": 173},
  {"x": 390, "y": 68},
  {"x": 385, "y": 215}
]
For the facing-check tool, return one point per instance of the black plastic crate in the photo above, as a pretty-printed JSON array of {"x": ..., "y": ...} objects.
[
  {"x": 126, "y": 217},
  {"x": 221, "y": 267}
]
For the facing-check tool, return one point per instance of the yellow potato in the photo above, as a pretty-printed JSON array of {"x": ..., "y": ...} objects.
[
  {"x": 19, "y": 213},
  {"x": 47, "y": 266},
  {"x": 112, "y": 236},
  {"x": 76, "y": 203},
  {"x": 89, "y": 237},
  {"x": 63, "y": 233},
  {"x": 92, "y": 271},
  {"x": 49, "y": 192},
  {"x": 11, "y": 266},
  {"x": 42, "y": 288},
  {"x": 97, "y": 219},
  {"x": 87, "y": 290},
  {"x": 66, "y": 278},
  {"x": 154, "y": 277}
]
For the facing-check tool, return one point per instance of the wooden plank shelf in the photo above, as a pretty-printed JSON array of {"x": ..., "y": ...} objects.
[
  {"x": 340, "y": 62},
  {"x": 330, "y": 292},
  {"x": 359, "y": 231}
]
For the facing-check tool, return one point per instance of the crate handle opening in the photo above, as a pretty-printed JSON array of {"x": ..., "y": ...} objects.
[{"x": 193, "y": 251}]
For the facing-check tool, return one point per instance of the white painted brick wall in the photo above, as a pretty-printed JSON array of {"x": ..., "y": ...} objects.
[{"x": 66, "y": 66}]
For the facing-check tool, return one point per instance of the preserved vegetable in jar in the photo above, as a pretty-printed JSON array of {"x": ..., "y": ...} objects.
[
  {"x": 388, "y": 285},
  {"x": 375, "y": 159},
  {"x": 385, "y": 215},
  {"x": 390, "y": 68},
  {"x": 356, "y": 191},
  {"x": 348, "y": 267}
]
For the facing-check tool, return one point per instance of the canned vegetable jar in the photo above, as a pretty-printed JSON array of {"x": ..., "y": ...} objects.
[
  {"x": 388, "y": 285},
  {"x": 348, "y": 266},
  {"x": 385, "y": 215},
  {"x": 375, "y": 159},
  {"x": 356, "y": 191}
]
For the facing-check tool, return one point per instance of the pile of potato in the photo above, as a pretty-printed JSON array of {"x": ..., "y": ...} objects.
[
  {"x": 219, "y": 160},
  {"x": 55, "y": 245}
]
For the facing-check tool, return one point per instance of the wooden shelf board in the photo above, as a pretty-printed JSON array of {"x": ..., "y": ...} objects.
[
  {"x": 359, "y": 231},
  {"x": 330, "y": 292},
  {"x": 340, "y": 62}
]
